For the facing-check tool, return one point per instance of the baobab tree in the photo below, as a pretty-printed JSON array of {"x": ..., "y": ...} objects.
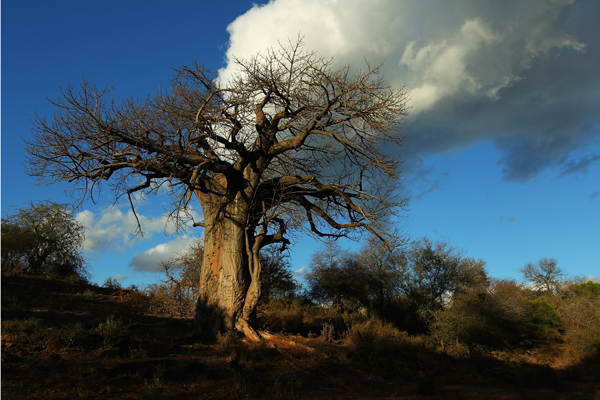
[{"x": 288, "y": 144}]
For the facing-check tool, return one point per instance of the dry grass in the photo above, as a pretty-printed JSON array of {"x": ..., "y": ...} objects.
[{"x": 62, "y": 340}]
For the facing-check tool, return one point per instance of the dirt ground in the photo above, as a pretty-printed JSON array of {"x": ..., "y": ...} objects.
[{"x": 82, "y": 341}]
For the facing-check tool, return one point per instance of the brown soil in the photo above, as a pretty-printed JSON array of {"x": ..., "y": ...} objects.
[{"x": 158, "y": 358}]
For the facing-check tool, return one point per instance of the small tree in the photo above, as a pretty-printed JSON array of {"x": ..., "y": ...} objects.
[
  {"x": 544, "y": 275},
  {"x": 278, "y": 280},
  {"x": 544, "y": 316},
  {"x": 43, "y": 238},
  {"x": 433, "y": 272},
  {"x": 382, "y": 265},
  {"x": 112, "y": 283},
  {"x": 336, "y": 278},
  {"x": 177, "y": 295},
  {"x": 287, "y": 143}
]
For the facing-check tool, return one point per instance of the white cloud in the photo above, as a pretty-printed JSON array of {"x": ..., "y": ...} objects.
[
  {"x": 521, "y": 75},
  {"x": 443, "y": 67},
  {"x": 436, "y": 56},
  {"x": 347, "y": 29},
  {"x": 119, "y": 277},
  {"x": 300, "y": 272},
  {"x": 113, "y": 229},
  {"x": 150, "y": 260}
]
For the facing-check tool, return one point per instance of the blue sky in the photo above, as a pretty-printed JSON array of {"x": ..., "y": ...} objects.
[{"x": 502, "y": 157}]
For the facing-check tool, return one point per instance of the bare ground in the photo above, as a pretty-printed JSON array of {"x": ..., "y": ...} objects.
[{"x": 82, "y": 341}]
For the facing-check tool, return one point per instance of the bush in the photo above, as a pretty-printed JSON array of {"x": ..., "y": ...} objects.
[
  {"x": 580, "y": 317},
  {"x": 36, "y": 331},
  {"x": 22, "y": 325},
  {"x": 227, "y": 342},
  {"x": 112, "y": 284},
  {"x": 71, "y": 334},
  {"x": 169, "y": 300},
  {"x": 496, "y": 318},
  {"x": 544, "y": 317},
  {"x": 43, "y": 238},
  {"x": 277, "y": 278},
  {"x": 393, "y": 352},
  {"x": 177, "y": 295},
  {"x": 589, "y": 288},
  {"x": 372, "y": 331},
  {"x": 336, "y": 278},
  {"x": 299, "y": 316},
  {"x": 469, "y": 321},
  {"x": 112, "y": 332}
]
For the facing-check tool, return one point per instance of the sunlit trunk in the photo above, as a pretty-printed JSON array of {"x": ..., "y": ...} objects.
[{"x": 228, "y": 293}]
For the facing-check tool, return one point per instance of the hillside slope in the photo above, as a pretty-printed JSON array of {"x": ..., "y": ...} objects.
[{"x": 63, "y": 340}]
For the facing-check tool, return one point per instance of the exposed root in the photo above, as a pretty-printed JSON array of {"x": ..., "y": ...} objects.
[
  {"x": 261, "y": 336},
  {"x": 273, "y": 339},
  {"x": 252, "y": 334}
]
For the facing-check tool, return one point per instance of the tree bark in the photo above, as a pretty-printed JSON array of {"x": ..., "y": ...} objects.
[{"x": 230, "y": 284}]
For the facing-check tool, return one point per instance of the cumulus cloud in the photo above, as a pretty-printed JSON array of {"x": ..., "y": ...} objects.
[
  {"x": 300, "y": 272},
  {"x": 150, "y": 260},
  {"x": 520, "y": 75},
  {"x": 442, "y": 67},
  {"x": 113, "y": 229}
]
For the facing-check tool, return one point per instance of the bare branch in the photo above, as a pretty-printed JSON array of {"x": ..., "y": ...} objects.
[{"x": 289, "y": 144}]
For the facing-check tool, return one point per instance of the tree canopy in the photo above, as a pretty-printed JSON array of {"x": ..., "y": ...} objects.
[
  {"x": 289, "y": 143},
  {"x": 278, "y": 279},
  {"x": 544, "y": 275},
  {"x": 43, "y": 238},
  {"x": 436, "y": 270}
]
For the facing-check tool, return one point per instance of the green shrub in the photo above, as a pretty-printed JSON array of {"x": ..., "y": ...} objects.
[
  {"x": 112, "y": 331},
  {"x": 544, "y": 317},
  {"x": 588, "y": 288},
  {"x": 22, "y": 325},
  {"x": 36, "y": 331},
  {"x": 73, "y": 334},
  {"x": 33, "y": 330},
  {"x": 470, "y": 321}
]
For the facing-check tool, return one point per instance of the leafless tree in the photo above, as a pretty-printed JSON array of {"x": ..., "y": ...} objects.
[
  {"x": 287, "y": 144},
  {"x": 544, "y": 275}
]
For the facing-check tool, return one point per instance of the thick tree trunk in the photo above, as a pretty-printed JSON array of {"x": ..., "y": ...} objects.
[{"x": 230, "y": 284}]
